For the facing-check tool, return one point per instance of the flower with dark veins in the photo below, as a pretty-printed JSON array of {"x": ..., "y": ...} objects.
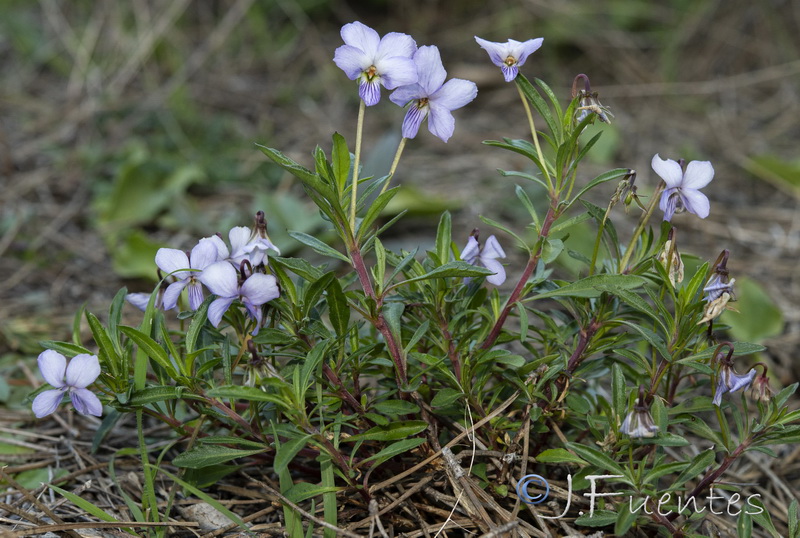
[
  {"x": 431, "y": 97},
  {"x": 374, "y": 61},
  {"x": 509, "y": 56},
  {"x": 81, "y": 372},
  {"x": 683, "y": 187},
  {"x": 223, "y": 281},
  {"x": 176, "y": 262}
]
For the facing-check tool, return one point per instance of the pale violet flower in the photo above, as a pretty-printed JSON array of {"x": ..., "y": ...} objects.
[
  {"x": 83, "y": 369},
  {"x": 683, "y": 188},
  {"x": 140, "y": 300},
  {"x": 431, "y": 97},
  {"x": 509, "y": 56},
  {"x": 374, "y": 61},
  {"x": 639, "y": 423},
  {"x": 486, "y": 256},
  {"x": 175, "y": 262},
  {"x": 249, "y": 245},
  {"x": 223, "y": 281},
  {"x": 730, "y": 381}
]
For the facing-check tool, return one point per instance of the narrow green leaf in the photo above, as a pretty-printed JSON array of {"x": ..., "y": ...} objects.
[
  {"x": 375, "y": 209},
  {"x": 391, "y": 432},
  {"x": 505, "y": 229},
  {"x": 538, "y": 103},
  {"x": 526, "y": 202},
  {"x": 340, "y": 157},
  {"x": 593, "y": 286},
  {"x": 395, "y": 449},
  {"x": 207, "y": 455},
  {"x": 338, "y": 308},
  {"x": 458, "y": 269},
  {"x": 318, "y": 246},
  {"x": 602, "y": 178},
  {"x": 559, "y": 455},
  {"x": 699, "y": 463},
  {"x": 108, "y": 353},
  {"x": 444, "y": 237},
  {"x": 151, "y": 395},
  {"x": 196, "y": 325},
  {"x": 598, "y": 458},
  {"x": 287, "y": 451},
  {"x": 65, "y": 348},
  {"x": 151, "y": 348}
]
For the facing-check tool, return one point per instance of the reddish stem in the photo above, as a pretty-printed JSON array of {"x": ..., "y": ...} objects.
[{"x": 549, "y": 219}]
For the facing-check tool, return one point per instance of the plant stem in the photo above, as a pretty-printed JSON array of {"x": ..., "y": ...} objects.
[
  {"x": 396, "y": 160},
  {"x": 640, "y": 228},
  {"x": 379, "y": 322},
  {"x": 535, "y": 138},
  {"x": 549, "y": 219},
  {"x": 354, "y": 190},
  {"x": 597, "y": 240},
  {"x": 710, "y": 478}
]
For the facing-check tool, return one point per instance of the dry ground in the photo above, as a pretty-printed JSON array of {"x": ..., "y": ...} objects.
[{"x": 719, "y": 81}]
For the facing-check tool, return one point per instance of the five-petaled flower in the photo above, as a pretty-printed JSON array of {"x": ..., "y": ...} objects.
[
  {"x": 372, "y": 60},
  {"x": 83, "y": 369},
  {"x": 509, "y": 56},
  {"x": 175, "y": 262},
  {"x": 485, "y": 256},
  {"x": 223, "y": 281},
  {"x": 729, "y": 381},
  {"x": 683, "y": 188},
  {"x": 431, "y": 97}
]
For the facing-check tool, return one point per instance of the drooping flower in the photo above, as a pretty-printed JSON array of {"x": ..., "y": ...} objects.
[
  {"x": 590, "y": 104},
  {"x": 718, "y": 290},
  {"x": 485, "y": 256},
  {"x": 727, "y": 378},
  {"x": 639, "y": 422},
  {"x": 671, "y": 259},
  {"x": 729, "y": 381},
  {"x": 509, "y": 56},
  {"x": 81, "y": 372},
  {"x": 683, "y": 188},
  {"x": 223, "y": 281},
  {"x": 374, "y": 61},
  {"x": 175, "y": 261},
  {"x": 431, "y": 97},
  {"x": 251, "y": 245}
]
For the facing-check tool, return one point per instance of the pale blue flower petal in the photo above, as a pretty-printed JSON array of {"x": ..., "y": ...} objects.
[
  {"x": 430, "y": 69},
  {"x": 172, "y": 293},
  {"x": 239, "y": 236},
  {"x": 361, "y": 36},
  {"x": 510, "y": 72},
  {"x": 396, "y": 44},
  {"x": 455, "y": 93},
  {"x": 497, "y": 268},
  {"x": 86, "y": 403},
  {"x": 492, "y": 249},
  {"x": 397, "y": 71},
  {"x": 370, "y": 92},
  {"x": 217, "y": 309},
  {"x": 53, "y": 366},
  {"x": 171, "y": 261},
  {"x": 698, "y": 175},
  {"x": 203, "y": 254},
  {"x": 696, "y": 202},
  {"x": 669, "y": 202},
  {"x": 413, "y": 120},
  {"x": 195, "y": 290},
  {"x": 404, "y": 94},
  {"x": 526, "y": 48},
  {"x": 440, "y": 121},
  {"x": 669, "y": 170},
  {"x": 222, "y": 249},
  {"x": 471, "y": 251},
  {"x": 351, "y": 60},
  {"x": 139, "y": 300},
  {"x": 259, "y": 289},
  {"x": 498, "y": 52},
  {"x": 82, "y": 370},
  {"x": 221, "y": 279},
  {"x": 46, "y": 402}
]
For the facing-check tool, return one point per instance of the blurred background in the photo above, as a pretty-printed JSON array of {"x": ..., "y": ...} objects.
[{"x": 128, "y": 126}]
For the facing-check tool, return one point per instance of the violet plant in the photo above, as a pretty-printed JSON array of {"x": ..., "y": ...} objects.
[{"x": 346, "y": 377}]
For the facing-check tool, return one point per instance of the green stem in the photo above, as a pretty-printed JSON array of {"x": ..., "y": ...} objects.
[
  {"x": 149, "y": 486},
  {"x": 535, "y": 138},
  {"x": 598, "y": 239},
  {"x": 396, "y": 160},
  {"x": 640, "y": 228},
  {"x": 359, "y": 135}
]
